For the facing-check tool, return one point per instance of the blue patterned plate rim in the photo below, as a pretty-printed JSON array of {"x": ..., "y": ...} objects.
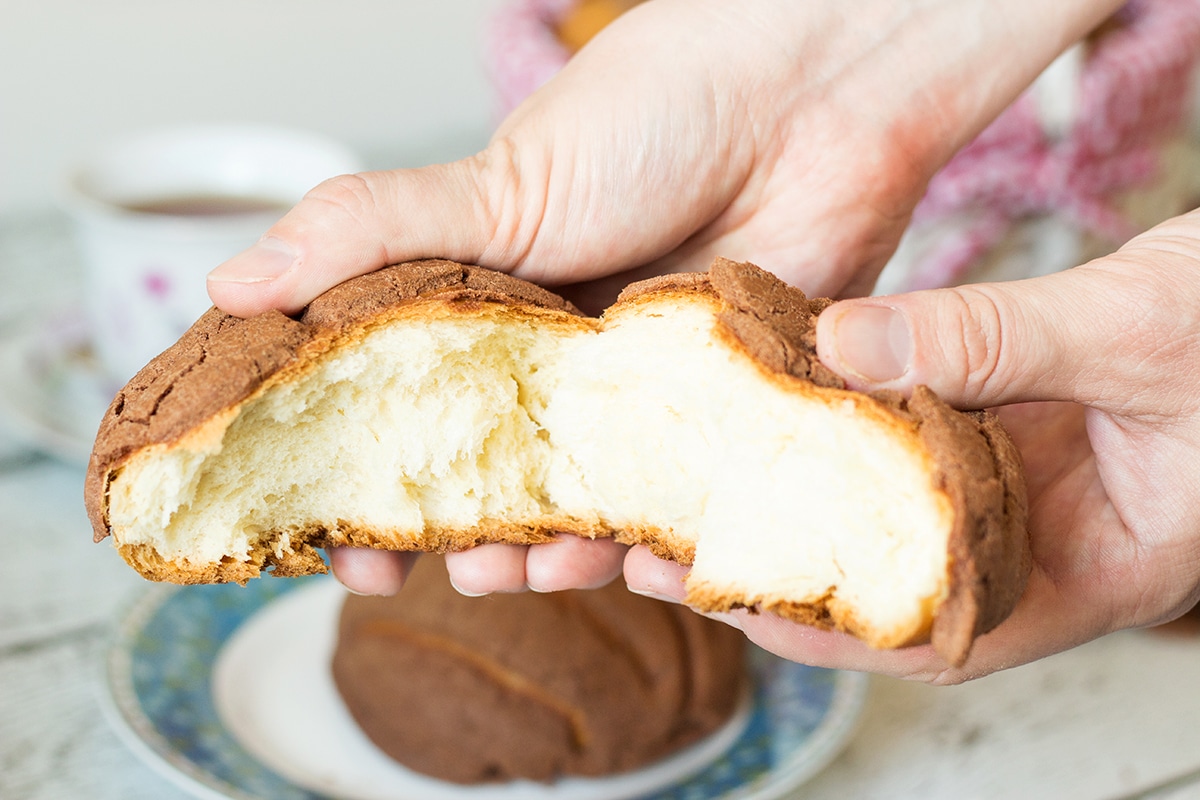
[{"x": 158, "y": 671}]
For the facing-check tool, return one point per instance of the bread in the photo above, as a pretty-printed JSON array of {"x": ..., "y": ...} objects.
[
  {"x": 534, "y": 686},
  {"x": 434, "y": 406}
]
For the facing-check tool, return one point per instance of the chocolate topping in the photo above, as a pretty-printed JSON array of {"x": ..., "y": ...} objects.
[
  {"x": 222, "y": 360},
  {"x": 774, "y": 321},
  {"x": 530, "y": 685}
]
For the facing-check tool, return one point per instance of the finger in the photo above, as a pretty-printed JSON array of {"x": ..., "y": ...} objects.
[
  {"x": 664, "y": 580},
  {"x": 488, "y": 569},
  {"x": 353, "y": 224},
  {"x": 1042, "y": 624},
  {"x": 654, "y": 577},
  {"x": 1103, "y": 335},
  {"x": 372, "y": 572},
  {"x": 572, "y": 562}
]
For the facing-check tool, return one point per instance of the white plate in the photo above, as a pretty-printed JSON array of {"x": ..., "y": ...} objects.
[
  {"x": 284, "y": 652},
  {"x": 226, "y": 691},
  {"x": 52, "y": 393}
]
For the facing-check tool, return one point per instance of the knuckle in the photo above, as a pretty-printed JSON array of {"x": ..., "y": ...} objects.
[
  {"x": 351, "y": 195},
  {"x": 508, "y": 205},
  {"x": 350, "y": 205},
  {"x": 980, "y": 350},
  {"x": 496, "y": 185}
]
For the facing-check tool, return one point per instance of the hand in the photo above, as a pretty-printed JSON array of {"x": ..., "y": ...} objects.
[
  {"x": 1096, "y": 373},
  {"x": 796, "y": 135}
]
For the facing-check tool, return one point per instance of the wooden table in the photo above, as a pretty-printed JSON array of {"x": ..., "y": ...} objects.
[{"x": 1117, "y": 718}]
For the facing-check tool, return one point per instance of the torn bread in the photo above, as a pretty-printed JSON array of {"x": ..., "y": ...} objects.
[{"x": 434, "y": 406}]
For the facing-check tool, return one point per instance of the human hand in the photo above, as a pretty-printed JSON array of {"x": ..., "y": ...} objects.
[
  {"x": 1095, "y": 373},
  {"x": 796, "y": 135}
]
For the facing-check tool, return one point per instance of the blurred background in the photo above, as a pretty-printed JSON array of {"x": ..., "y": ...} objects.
[
  {"x": 404, "y": 83},
  {"x": 401, "y": 82}
]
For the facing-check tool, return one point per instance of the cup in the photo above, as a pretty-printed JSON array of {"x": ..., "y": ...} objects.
[{"x": 156, "y": 212}]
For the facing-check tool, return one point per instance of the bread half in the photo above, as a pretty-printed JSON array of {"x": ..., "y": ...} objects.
[{"x": 433, "y": 406}]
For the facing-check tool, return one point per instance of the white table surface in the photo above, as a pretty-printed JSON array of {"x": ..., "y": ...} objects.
[{"x": 1114, "y": 719}]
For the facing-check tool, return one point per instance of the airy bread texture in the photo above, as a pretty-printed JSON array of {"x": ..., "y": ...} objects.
[{"x": 432, "y": 406}]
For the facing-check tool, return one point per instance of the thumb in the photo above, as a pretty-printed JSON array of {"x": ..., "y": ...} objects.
[
  {"x": 353, "y": 224},
  {"x": 1092, "y": 335}
]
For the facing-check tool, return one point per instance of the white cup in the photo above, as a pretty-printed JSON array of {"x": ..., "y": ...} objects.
[{"x": 156, "y": 212}]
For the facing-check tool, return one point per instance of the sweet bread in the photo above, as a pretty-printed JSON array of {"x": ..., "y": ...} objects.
[
  {"x": 435, "y": 406},
  {"x": 535, "y": 686}
]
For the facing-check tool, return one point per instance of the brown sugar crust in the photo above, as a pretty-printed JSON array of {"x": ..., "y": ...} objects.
[
  {"x": 774, "y": 322},
  {"x": 528, "y": 685},
  {"x": 979, "y": 467},
  {"x": 222, "y": 361}
]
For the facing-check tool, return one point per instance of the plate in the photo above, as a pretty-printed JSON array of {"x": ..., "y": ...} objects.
[
  {"x": 317, "y": 745},
  {"x": 52, "y": 391},
  {"x": 225, "y": 690}
]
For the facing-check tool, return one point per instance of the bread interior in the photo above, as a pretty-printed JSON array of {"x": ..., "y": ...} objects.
[{"x": 655, "y": 421}]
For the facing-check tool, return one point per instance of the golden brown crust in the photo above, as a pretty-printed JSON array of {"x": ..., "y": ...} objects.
[
  {"x": 664, "y": 544},
  {"x": 301, "y": 556}
]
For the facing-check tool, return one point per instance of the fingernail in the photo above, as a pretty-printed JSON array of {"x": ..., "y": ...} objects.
[
  {"x": 654, "y": 595},
  {"x": 465, "y": 593},
  {"x": 265, "y": 261},
  {"x": 873, "y": 342}
]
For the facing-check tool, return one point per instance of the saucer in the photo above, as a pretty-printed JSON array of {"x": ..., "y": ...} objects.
[
  {"x": 53, "y": 393},
  {"x": 226, "y": 691}
]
